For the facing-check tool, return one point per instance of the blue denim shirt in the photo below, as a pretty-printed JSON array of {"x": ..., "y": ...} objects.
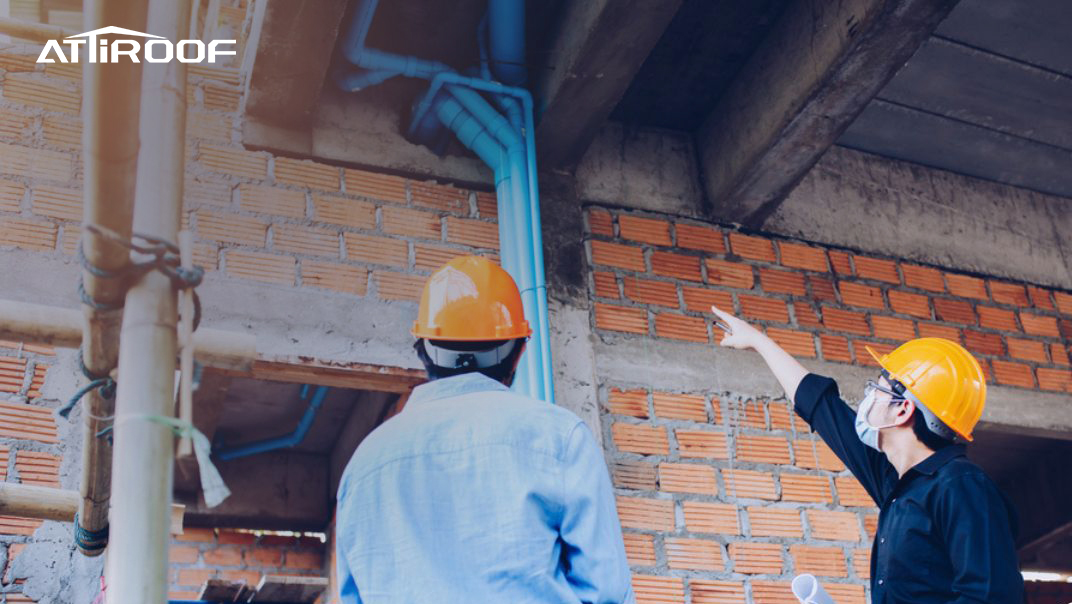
[{"x": 476, "y": 494}]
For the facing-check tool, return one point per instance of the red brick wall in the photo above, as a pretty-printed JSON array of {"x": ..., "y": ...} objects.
[
  {"x": 726, "y": 498},
  {"x": 201, "y": 554}
]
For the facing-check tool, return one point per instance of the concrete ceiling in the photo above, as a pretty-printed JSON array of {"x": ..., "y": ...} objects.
[{"x": 988, "y": 95}]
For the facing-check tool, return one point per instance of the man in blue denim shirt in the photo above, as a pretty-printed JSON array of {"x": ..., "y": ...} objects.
[{"x": 474, "y": 493}]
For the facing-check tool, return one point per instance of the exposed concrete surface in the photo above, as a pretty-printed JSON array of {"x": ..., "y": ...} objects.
[
  {"x": 643, "y": 169},
  {"x": 574, "y": 363},
  {"x": 52, "y": 571},
  {"x": 889, "y": 207},
  {"x": 678, "y": 366}
]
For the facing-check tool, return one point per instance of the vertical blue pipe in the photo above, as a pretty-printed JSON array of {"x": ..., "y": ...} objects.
[{"x": 506, "y": 40}]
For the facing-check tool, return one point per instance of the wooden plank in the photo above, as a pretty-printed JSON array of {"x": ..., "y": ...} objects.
[
  {"x": 359, "y": 376},
  {"x": 293, "y": 590},
  {"x": 222, "y": 590}
]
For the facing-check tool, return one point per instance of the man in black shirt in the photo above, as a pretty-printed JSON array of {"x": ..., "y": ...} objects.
[{"x": 945, "y": 532}]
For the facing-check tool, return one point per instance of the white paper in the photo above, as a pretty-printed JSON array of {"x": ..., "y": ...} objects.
[{"x": 807, "y": 589}]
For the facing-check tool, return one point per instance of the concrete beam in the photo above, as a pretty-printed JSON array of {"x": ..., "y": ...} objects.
[
  {"x": 598, "y": 48},
  {"x": 293, "y": 50},
  {"x": 819, "y": 66}
]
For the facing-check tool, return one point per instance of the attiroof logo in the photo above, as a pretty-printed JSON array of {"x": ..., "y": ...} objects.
[{"x": 155, "y": 50}]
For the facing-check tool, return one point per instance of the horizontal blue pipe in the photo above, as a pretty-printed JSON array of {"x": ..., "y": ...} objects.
[{"x": 281, "y": 442}]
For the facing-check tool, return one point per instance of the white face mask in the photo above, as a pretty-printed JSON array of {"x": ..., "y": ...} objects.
[{"x": 868, "y": 434}]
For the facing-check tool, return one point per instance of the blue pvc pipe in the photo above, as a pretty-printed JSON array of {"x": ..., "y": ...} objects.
[
  {"x": 281, "y": 442},
  {"x": 506, "y": 40}
]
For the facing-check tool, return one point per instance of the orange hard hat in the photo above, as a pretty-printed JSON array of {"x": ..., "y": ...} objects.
[
  {"x": 470, "y": 299},
  {"x": 944, "y": 377}
]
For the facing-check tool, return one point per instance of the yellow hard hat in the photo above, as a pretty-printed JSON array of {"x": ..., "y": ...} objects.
[
  {"x": 944, "y": 377},
  {"x": 470, "y": 299}
]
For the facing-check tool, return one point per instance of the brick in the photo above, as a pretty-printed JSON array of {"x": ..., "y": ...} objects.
[
  {"x": 844, "y": 320},
  {"x": 749, "y": 484},
  {"x": 669, "y": 264},
  {"x": 796, "y": 343},
  {"x": 183, "y": 554},
  {"x": 306, "y": 240},
  {"x": 705, "y": 517},
  {"x": 264, "y": 557},
  {"x": 376, "y": 186},
  {"x": 1040, "y": 298},
  {"x": 639, "y": 549},
  {"x": 248, "y": 577},
  {"x": 783, "y": 418},
  {"x": 822, "y": 289},
  {"x": 304, "y": 560},
  {"x": 851, "y": 493},
  {"x": 806, "y": 315},
  {"x": 645, "y": 513},
  {"x": 863, "y": 357},
  {"x": 954, "y": 311},
  {"x": 10, "y": 525},
  {"x": 47, "y": 93},
  {"x": 680, "y": 327},
  {"x": 817, "y": 560},
  {"x": 223, "y": 556},
  {"x": 269, "y": 268},
  {"x": 762, "y": 449},
  {"x": 232, "y": 537},
  {"x": 640, "y": 439},
  {"x": 729, "y": 274},
  {"x": 756, "y": 558},
  {"x": 923, "y": 277},
  {"x": 808, "y": 488},
  {"x": 61, "y": 131},
  {"x": 233, "y": 161},
  {"x": 444, "y": 197},
  {"x": 474, "y": 233},
  {"x": 16, "y": 126},
  {"x": 36, "y": 163},
  {"x": 194, "y": 577},
  {"x": 861, "y": 562},
  {"x": 984, "y": 343},
  {"x": 764, "y": 309},
  {"x": 398, "y": 286},
  {"x": 933, "y": 330},
  {"x": 670, "y": 405},
  {"x": 210, "y": 126},
  {"x": 617, "y": 255},
  {"x": 699, "y": 299},
  {"x": 1039, "y": 325},
  {"x": 196, "y": 535},
  {"x": 835, "y": 348},
  {"x": 840, "y": 262},
  {"x": 683, "y": 553},
  {"x": 306, "y": 174},
  {"x": 55, "y": 202},
  {"x": 647, "y": 291},
  {"x": 40, "y": 469},
  {"x": 487, "y": 206},
  {"x": 345, "y": 212},
  {"x": 1059, "y": 380},
  {"x": 221, "y": 98},
  {"x": 701, "y": 444},
  {"x": 28, "y": 234},
  {"x": 272, "y": 200},
  {"x": 411, "y": 223},
  {"x": 997, "y": 318},
  {"x": 695, "y": 237},
  {"x": 650, "y": 589},
  {"x": 964, "y": 286},
  {"x": 335, "y": 276},
  {"x": 376, "y": 250},
  {"x": 634, "y": 475},
  {"x": 606, "y": 284},
  {"x": 10, "y": 196},
  {"x": 645, "y": 230},
  {"x": 705, "y": 591},
  {"x": 795, "y": 255},
  {"x": 12, "y": 371},
  {"x": 600, "y": 222},
  {"x": 782, "y": 282},
  {"x": 845, "y": 592},
  {"x": 833, "y": 525},
  {"x": 753, "y": 248},
  {"x": 854, "y": 294},
  {"x": 1059, "y": 354},
  {"x": 687, "y": 478},
  {"x": 628, "y": 402},
  {"x": 197, "y": 193},
  {"x": 877, "y": 269},
  {"x": 890, "y": 328},
  {"x": 1063, "y": 301},
  {"x": 621, "y": 318},
  {"x": 1008, "y": 293},
  {"x": 814, "y": 454},
  {"x": 750, "y": 414}
]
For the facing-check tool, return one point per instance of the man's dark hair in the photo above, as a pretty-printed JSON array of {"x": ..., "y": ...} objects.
[
  {"x": 929, "y": 439},
  {"x": 466, "y": 363}
]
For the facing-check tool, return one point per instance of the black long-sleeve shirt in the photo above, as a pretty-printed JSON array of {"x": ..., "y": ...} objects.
[{"x": 945, "y": 532}]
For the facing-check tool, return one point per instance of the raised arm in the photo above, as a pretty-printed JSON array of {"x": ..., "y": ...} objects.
[{"x": 743, "y": 336}]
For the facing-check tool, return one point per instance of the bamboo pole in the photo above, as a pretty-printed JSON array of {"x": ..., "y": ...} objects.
[
  {"x": 144, "y": 450},
  {"x": 46, "y": 503},
  {"x": 33, "y": 32},
  {"x": 62, "y": 327},
  {"x": 110, "y": 106}
]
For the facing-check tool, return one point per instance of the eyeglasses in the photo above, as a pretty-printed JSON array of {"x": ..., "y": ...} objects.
[{"x": 873, "y": 386}]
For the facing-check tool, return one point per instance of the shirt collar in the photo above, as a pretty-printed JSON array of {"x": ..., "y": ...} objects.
[
  {"x": 466, "y": 383},
  {"x": 939, "y": 458}
]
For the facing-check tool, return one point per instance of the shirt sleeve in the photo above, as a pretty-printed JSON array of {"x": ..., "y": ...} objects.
[
  {"x": 818, "y": 403},
  {"x": 592, "y": 548},
  {"x": 975, "y": 526}
]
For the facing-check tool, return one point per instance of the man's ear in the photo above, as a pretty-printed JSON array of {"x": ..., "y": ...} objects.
[{"x": 904, "y": 414}]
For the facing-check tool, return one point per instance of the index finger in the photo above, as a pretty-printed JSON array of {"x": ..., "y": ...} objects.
[{"x": 725, "y": 316}]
